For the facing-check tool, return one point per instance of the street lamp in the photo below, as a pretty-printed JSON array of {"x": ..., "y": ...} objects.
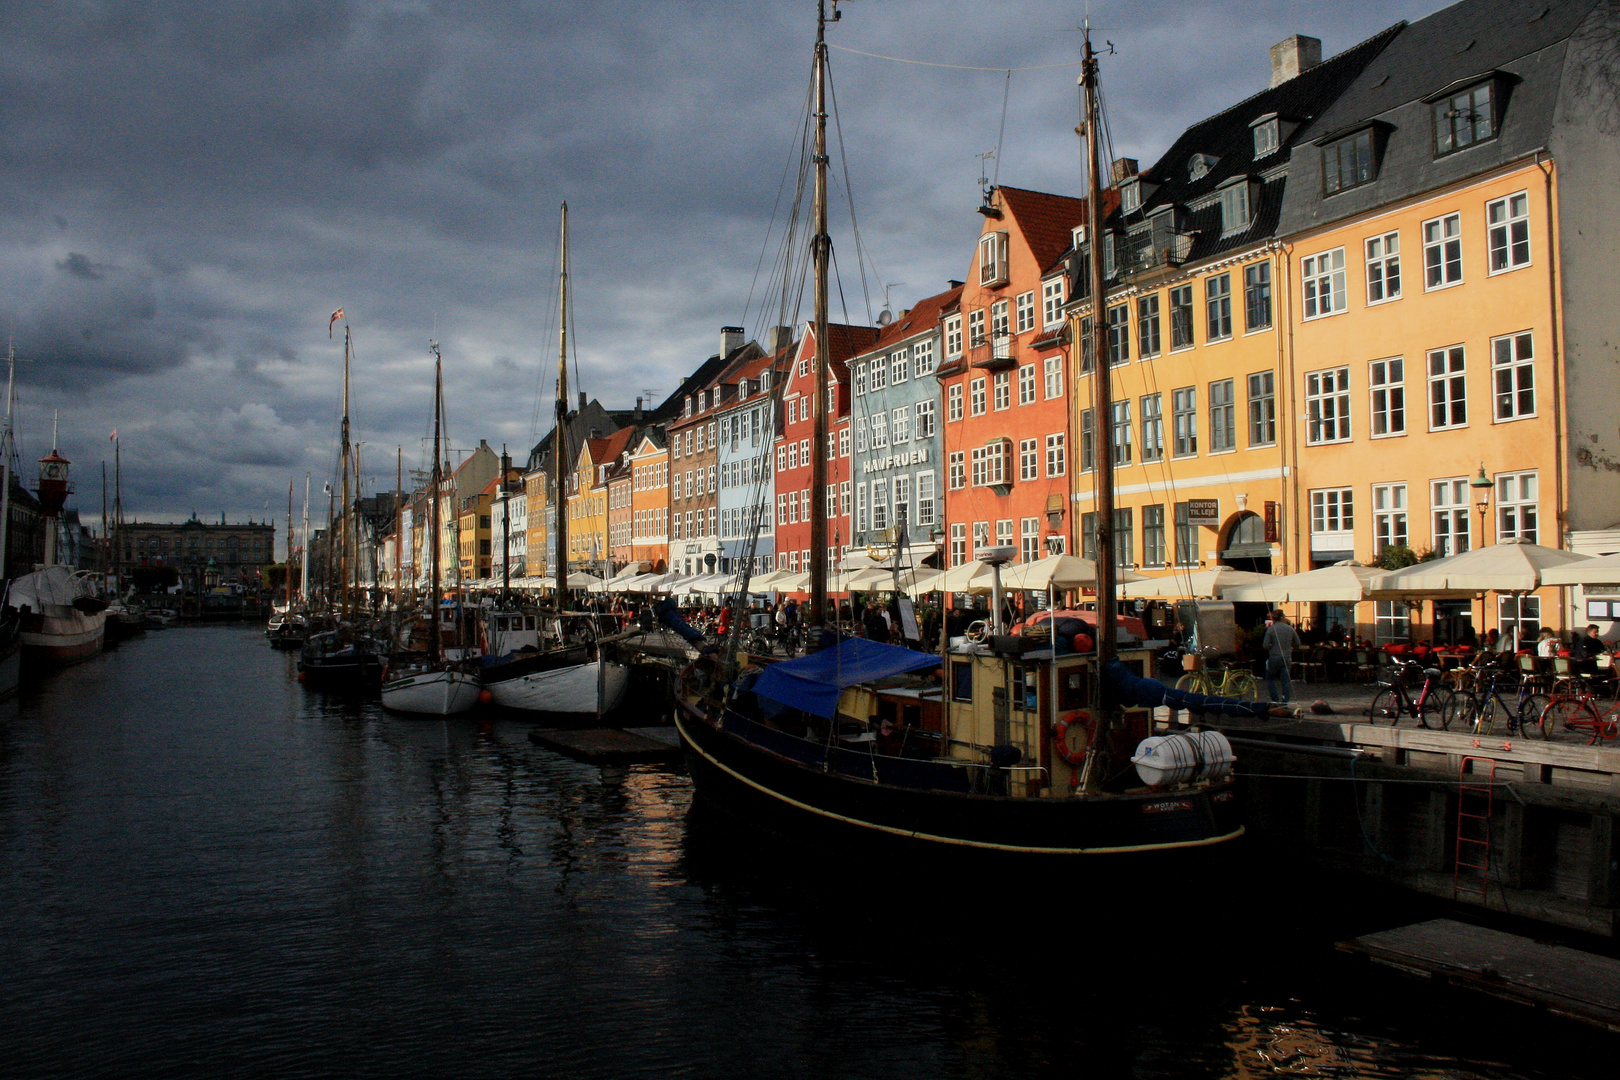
[{"x": 1482, "y": 498}]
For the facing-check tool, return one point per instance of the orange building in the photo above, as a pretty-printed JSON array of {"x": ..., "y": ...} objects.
[{"x": 649, "y": 501}]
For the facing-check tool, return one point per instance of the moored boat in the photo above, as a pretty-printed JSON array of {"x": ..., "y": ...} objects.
[{"x": 61, "y": 620}]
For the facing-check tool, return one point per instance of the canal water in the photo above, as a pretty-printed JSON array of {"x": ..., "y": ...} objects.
[{"x": 206, "y": 870}]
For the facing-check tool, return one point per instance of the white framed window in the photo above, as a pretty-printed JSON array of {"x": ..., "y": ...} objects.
[
  {"x": 902, "y": 500},
  {"x": 998, "y": 319},
  {"x": 1147, "y": 326},
  {"x": 922, "y": 359},
  {"x": 1463, "y": 119},
  {"x": 899, "y": 367},
  {"x": 1186, "y": 536},
  {"x": 953, "y": 402},
  {"x": 877, "y": 374},
  {"x": 1392, "y": 622},
  {"x": 1026, "y": 384},
  {"x": 900, "y": 425},
  {"x": 958, "y": 470},
  {"x": 1003, "y": 390},
  {"x": 1222, "y": 416},
  {"x": 1057, "y": 460},
  {"x": 1029, "y": 459},
  {"x": 1513, "y": 370},
  {"x": 1448, "y": 507},
  {"x": 1024, "y": 312},
  {"x": 1386, "y": 388},
  {"x": 1519, "y": 618},
  {"x": 793, "y": 455},
  {"x": 1153, "y": 427},
  {"x": 1088, "y": 441},
  {"x": 1262, "y": 408},
  {"x": 1327, "y": 405},
  {"x": 1257, "y": 296},
  {"x": 862, "y": 434},
  {"x": 1121, "y": 428},
  {"x": 976, "y": 396},
  {"x": 1184, "y": 420},
  {"x": 843, "y": 441},
  {"x": 1054, "y": 376},
  {"x": 1052, "y": 301},
  {"x": 1218, "y": 307},
  {"x": 1323, "y": 283},
  {"x": 958, "y": 543},
  {"x": 860, "y": 525},
  {"x": 953, "y": 336},
  {"x": 1119, "y": 334},
  {"x": 1516, "y": 507},
  {"x": 1383, "y": 267},
  {"x": 926, "y": 498},
  {"x": 1004, "y": 532},
  {"x": 1153, "y": 535},
  {"x": 1332, "y": 510},
  {"x": 860, "y": 379},
  {"x": 926, "y": 419},
  {"x": 880, "y": 430},
  {"x": 1442, "y": 252},
  {"x": 1389, "y": 516},
  {"x": 1448, "y": 388},
  {"x": 843, "y": 498},
  {"x": 993, "y": 258},
  {"x": 1029, "y": 539}
]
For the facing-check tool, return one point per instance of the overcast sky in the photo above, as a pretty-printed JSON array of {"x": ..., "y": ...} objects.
[{"x": 190, "y": 189}]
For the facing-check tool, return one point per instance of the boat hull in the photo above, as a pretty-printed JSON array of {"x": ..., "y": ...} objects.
[
  {"x": 62, "y": 635},
  {"x": 431, "y": 693},
  {"x": 585, "y": 690},
  {"x": 339, "y": 672},
  {"x": 10, "y": 668},
  {"x": 801, "y": 787}
]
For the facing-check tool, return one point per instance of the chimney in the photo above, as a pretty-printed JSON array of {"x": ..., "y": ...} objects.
[
  {"x": 731, "y": 339},
  {"x": 582, "y": 401},
  {"x": 1124, "y": 169},
  {"x": 1293, "y": 55},
  {"x": 638, "y": 410},
  {"x": 780, "y": 338}
]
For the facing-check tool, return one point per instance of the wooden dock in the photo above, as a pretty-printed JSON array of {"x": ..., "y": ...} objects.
[
  {"x": 611, "y": 746},
  {"x": 1563, "y": 981}
]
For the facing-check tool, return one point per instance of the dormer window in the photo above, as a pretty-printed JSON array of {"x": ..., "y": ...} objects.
[
  {"x": 764, "y": 380},
  {"x": 1351, "y": 160},
  {"x": 1238, "y": 197},
  {"x": 1077, "y": 237},
  {"x": 1198, "y": 165},
  {"x": 993, "y": 259},
  {"x": 1130, "y": 195},
  {"x": 1266, "y": 136},
  {"x": 1464, "y": 117}
]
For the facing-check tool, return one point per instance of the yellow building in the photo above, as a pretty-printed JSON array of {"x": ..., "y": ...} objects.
[
  {"x": 588, "y": 491},
  {"x": 474, "y": 534}
]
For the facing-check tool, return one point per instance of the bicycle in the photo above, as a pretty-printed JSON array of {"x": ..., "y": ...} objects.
[
  {"x": 1234, "y": 681},
  {"x": 1576, "y": 710},
  {"x": 1480, "y": 707},
  {"x": 1428, "y": 708}
]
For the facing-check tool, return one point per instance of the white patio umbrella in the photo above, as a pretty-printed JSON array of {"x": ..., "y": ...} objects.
[
  {"x": 924, "y": 584},
  {"x": 1213, "y": 582},
  {"x": 1341, "y": 583},
  {"x": 788, "y": 581},
  {"x": 972, "y": 576},
  {"x": 1058, "y": 572},
  {"x": 1509, "y": 567},
  {"x": 1602, "y": 570}
]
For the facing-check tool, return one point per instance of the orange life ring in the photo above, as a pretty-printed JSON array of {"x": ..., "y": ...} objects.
[{"x": 1060, "y": 736}]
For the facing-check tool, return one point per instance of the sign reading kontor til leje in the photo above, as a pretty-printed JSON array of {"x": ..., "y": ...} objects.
[{"x": 1204, "y": 512}]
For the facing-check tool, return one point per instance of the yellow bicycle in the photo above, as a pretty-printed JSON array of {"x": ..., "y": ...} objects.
[{"x": 1229, "y": 680}]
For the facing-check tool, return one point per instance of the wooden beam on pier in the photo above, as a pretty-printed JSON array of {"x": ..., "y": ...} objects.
[{"x": 1566, "y": 982}]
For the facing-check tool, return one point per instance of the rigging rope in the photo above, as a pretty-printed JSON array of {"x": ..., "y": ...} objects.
[{"x": 957, "y": 67}]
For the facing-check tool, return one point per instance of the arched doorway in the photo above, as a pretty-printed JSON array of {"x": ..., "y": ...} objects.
[{"x": 1246, "y": 547}]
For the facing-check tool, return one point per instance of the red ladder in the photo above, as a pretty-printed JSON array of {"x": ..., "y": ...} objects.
[{"x": 1475, "y": 801}]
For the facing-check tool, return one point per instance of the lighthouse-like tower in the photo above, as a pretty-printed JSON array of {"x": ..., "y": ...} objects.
[{"x": 54, "y": 488}]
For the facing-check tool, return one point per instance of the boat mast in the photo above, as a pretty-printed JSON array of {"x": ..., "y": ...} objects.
[
  {"x": 399, "y": 539},
  {"x": 433, "y": 519},
  {"x": 5, "y": 465},
  {"x": 1102, "y": 400},
  {"x": 118, "y": 512},
  {"x": 343, "y": 470},
  {"x": 106, "y": 537},
  {"x": 821, "y": 249},
  {"x": 559, "y": 447},
  {"x": 289, "y": 544},
  {"x": 303, "y": 569}
]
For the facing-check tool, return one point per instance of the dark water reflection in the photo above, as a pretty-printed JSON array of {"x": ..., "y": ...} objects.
[{"x": 206, "y": 870}]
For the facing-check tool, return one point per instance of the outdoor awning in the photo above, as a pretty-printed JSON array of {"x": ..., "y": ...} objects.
[
  {"x": 1341, "y": 583},
  {"x": 1212, "y": 582},
  {"x": 814, "y": 682},
  {"x": 1506, "y": 567},
  {"x": 1603, "y": 570},
  {"x": 1058, "y": 572}
]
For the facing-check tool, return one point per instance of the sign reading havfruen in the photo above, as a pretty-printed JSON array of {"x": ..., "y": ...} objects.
[{"x": 1204, "y": 512}]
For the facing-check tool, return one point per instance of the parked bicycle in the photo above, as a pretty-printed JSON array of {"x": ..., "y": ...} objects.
[
  {"x": 1229, "y": 680},
  {"x": 1393, "y": 703},
  {"x": 1483, "y": 706},
  {"x": 1578, "y": 709}
]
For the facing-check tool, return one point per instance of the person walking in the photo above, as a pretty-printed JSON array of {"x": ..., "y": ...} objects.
[{"x": 1279, "y": 644}]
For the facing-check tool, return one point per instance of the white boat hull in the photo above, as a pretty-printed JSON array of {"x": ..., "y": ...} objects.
[
  {"x": 589, "y": 689},
  {"x": 63, "y": 635},
  {"x": 431, "y": 693}
]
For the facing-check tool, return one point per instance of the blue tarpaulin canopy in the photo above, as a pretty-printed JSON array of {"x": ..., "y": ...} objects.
[{"x": 814, "y": 682}]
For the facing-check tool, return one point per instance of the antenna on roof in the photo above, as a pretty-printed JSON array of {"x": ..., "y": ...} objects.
[{"x": 886, "y": 316}]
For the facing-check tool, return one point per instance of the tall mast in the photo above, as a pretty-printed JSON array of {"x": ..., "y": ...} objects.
[
  {"x": 506, "y": 529},
  {"x": 343, "y": 469},
  {"x": 118, "y": 511},
  {"x": 1102, "y": 399},
  {"x": 821, "y": 247},
  {"x": 5, "y": 465},
  {"x": 399, "y": 538},
  {"x": 106, "y": 533},
  {"x": 559, "y": 442},
  {"x": 289, "y": 544},
  {"x": 303, "y": 569},
  {"x": 433, "y": 519}
]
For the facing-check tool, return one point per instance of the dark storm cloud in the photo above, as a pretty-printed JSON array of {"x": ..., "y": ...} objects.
[{"x": 187, "y": 191}]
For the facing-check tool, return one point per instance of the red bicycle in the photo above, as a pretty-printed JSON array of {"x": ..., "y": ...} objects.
[{"x": 1576, "y": 710}]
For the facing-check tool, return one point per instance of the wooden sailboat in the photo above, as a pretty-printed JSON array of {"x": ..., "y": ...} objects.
[
  {"x": 1015, "y": 753},
  {"x": 435, "y": 686},
  {"x": 346, "y": 657},
  {"x": 552, "y": 663}
]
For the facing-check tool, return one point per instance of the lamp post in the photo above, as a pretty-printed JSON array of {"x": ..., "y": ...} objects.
[{"x": 1481, "y": 486}]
